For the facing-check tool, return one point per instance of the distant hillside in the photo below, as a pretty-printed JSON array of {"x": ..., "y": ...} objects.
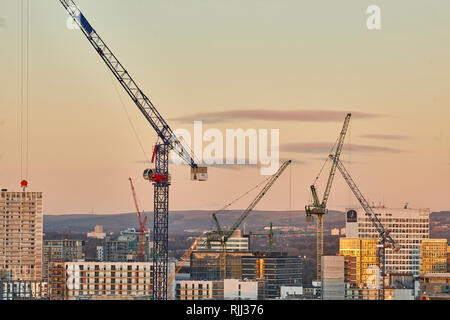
[
  {"x": 442, "y": 216},
  {"x": 180, "y": 221},
  {"x": 183, "y": 220}
]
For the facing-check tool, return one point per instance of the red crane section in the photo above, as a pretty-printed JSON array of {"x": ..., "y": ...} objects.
[{"x": 141, "y": 224}]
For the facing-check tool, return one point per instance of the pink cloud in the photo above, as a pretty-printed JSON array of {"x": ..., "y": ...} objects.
[
  {"x": 275, "y": 115},
  {"x": 323, "y": 147}
]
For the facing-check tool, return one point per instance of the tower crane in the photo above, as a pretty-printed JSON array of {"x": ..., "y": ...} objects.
[
  {"x": 319, "y": 209},
  {"x": 142, "y": 223},
  {"x": 386, "y": 240},
  {"x": 167, "y": 141},
  {"x": 222, "y": 235}
]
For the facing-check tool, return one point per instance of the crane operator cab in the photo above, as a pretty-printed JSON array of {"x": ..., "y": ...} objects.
[
  {"x": 152, "y": 176},
  {"x": 199, "y": 174}
]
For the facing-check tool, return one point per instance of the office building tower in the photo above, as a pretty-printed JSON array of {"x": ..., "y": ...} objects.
[{"x": 408, "y": 227}]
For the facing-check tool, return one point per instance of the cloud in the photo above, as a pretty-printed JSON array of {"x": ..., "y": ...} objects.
[
  {"x": 3, "y": 23},
  {"x": 323, "y": 147},
  {"x": 384, "y": 137},
  {"x": 274, "y": 115}
]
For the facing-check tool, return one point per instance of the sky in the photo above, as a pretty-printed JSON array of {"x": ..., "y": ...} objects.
[{"x": 296, "y": 66}]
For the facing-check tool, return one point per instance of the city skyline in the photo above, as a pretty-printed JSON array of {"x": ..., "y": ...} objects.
[{"x": 291, "y": 66}]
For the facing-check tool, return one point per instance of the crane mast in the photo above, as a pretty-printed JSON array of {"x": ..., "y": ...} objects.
[
  {"x": 319, "y": 209},
  {"x": 167, "y": 141},
  {"x": 385, "y": 239}
]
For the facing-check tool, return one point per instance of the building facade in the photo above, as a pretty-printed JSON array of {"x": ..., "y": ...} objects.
[
  {"x": 59, "y": 251},
  {"x": 97, "y": 233},
  {"x": 333, "y": 277},
  {"x": 274, "y": 269},
  {"x": 206, "y": 265},
  {"x": 236, "y": 289},
  {"x": 365, "y": 252},
  {"x": 434, "y": 286},
  {"x": 433, "y": 256},
  {"x": 408, "y": 227},
  {"x": 23, "y": 290},
  {"x": 126, "y": 247},
  {"x": 227, "y": 289},
  {"x": 236, "y": 242},
  {"x": 105, "y": 280},
  {"x": 21, "y": 220},
  {"x": 199, "y": 290}
]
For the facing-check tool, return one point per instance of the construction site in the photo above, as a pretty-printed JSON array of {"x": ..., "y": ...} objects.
[{"x": 366, "y": 252}]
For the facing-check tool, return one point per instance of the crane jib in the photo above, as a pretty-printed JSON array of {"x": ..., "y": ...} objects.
[{"x": 85, "y": 24}]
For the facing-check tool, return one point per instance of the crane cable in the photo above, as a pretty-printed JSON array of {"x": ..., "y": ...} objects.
[
  {"x": 349, "y": 193},
  {"x": 323, "y": 166},
  {"x": 239, "y": 198},
  {"x": 129, "y": 119},
  {"x": 135, "y": 131},
  {"x": 326, "y": 160},
  {"x": 24, "y": 88},
  {"x": 290, "y": 196},
  {"x": 21, "y": 89},
  {"x": 28, "y": 88}
]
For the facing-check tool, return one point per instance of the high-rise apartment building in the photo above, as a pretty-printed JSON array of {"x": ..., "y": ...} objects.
[
  {"x": 433, "y": 256},
  {"x": 21, "y": 235},
  {"x": 408, "y": 227}
]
